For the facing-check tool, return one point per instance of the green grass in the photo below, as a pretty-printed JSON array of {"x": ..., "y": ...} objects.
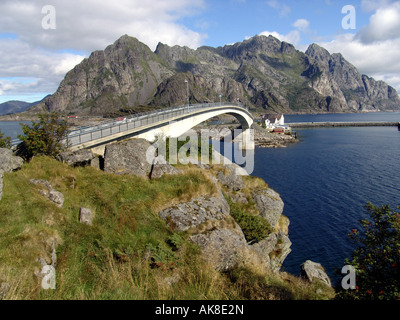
[{"x": 128, "y": 252}]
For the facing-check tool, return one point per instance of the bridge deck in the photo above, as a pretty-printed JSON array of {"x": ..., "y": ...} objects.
[{"x": 113, "y": 130}]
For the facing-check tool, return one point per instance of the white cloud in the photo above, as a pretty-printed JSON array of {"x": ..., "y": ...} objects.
[
  {"x": 283, "y": 9},
  {"x": 372, "y": 5},
  {"x": 81, "y": 26},
  {"x": 384, "y": 25},
  {"x": 302, "y": 24},
  {"x": 92, "y": 24}
]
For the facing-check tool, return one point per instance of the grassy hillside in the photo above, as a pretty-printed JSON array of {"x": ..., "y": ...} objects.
[{"x": 128, "y": 253}]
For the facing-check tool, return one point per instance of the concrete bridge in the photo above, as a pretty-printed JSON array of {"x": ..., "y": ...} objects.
[{"x": 170, "y": 122}]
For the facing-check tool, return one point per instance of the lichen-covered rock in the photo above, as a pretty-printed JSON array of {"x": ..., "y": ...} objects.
[
  {"x": 232, "y": 181},
  {"x": 189, "y": 215},
  {"x": 270, "y": 205},
  {"x": 56, "y": 197},
  {"x": 46, "y": 190},
  {"x": 9, "y": 162},
  {"x": 221, "y": 247},
  {"x": 313, "y": 270},
  {"x": 158, "y": 170},
  {"x": 86, "y": 216},
  {"x": 128, "y": 157},
  {"x": 77, "y": 158}
]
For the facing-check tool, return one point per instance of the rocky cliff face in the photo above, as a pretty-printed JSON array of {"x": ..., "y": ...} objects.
[{"x": 262, "y": 72}]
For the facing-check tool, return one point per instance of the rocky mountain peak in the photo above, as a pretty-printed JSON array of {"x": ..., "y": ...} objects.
[
  {"x": 318, "y": 53},
  {"x": 262, "y": 72}
]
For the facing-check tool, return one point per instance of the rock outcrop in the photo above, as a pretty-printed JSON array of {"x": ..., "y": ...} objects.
[
  {"x": 160, "y": 169},
  {"x": 269, "y": 204},
  {"x": 198, "y": 214},
  {"x": 45, "y": 189},
  {"x": 314, "y": 271},
  {"x": 77, "y": 158},
  {"x": 213, "y": 229},
  {"x": 86, "y": 216},
  {"x": 220, "y": 237},
  {"x": 262, "y": 72},
  {"x": 8, "y": 163},
  {"x": 128, "y": 157}
]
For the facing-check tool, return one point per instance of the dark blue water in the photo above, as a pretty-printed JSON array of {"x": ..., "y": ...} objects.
[
  {"x": 325, "y": 180},
  {"x": 345, "y": 117},
  {"x": 12, "y": 128}
]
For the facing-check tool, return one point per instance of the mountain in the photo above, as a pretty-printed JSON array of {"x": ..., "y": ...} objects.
[
  {"x": 14, "y": 106},
  {"x": 262, "y": 72}
]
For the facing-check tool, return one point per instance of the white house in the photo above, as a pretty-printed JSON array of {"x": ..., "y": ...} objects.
[{"x": 273, "y": 120}]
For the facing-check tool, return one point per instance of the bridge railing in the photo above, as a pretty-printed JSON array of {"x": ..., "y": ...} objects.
[
  {"x": 107, "y": 128},
  {"x": 86, "y": 134}
]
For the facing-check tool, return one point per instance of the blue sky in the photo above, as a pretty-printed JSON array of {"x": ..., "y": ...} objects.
[
  {"x": 231, "y": 21},
  {"x": 34, "y": 57}
]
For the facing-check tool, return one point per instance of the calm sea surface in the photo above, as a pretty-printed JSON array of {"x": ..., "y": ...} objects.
[
  {"x": 325, "y": 180},
  {"x": 12, "y": 128}
]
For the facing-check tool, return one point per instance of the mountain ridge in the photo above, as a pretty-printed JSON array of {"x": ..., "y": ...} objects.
[
  {"x": 16, "y": 106},
  {"x": 262, "y": 72}
]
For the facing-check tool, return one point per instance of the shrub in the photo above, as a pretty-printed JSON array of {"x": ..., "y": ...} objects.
[
  {"x": 5, "y": 142},
  {"x": 48, "y": 137},
  {"x": 254, "y": 228},
  {"x": 376, "y": 257}
]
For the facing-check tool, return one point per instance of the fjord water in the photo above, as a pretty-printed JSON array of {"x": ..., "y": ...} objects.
[
  {"x": 12, "y": 128},
  {"x": 327, "y": 178}
]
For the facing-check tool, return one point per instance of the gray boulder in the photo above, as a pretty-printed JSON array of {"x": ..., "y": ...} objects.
[
  {"x": 270, "y": 205},
  {"x": 77, "y": 158},
  {"x": 9, "y": 162},
  {"x": 213, "y": 229},
  {"x": 158, "y": 170},
  {"x": 56, "y": 197},
  {"x": 46, "y": 190},
  {"x": 86, "y": 216},
  {"x": 223, "y": 248},
  {"x": 189, "y": 215},
  {"x": 232, "y": 181},
  {"x": 95, "y": 163},
  {"x": 239, "y": 197},
  {"x": 128, "y": 157},
  {"x": 312, "y": 270}
]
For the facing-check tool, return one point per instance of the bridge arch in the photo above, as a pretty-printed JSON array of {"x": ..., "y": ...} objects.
[
  {"x": 178, "y": 127},
  {"x": 172, "y": 122}
]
